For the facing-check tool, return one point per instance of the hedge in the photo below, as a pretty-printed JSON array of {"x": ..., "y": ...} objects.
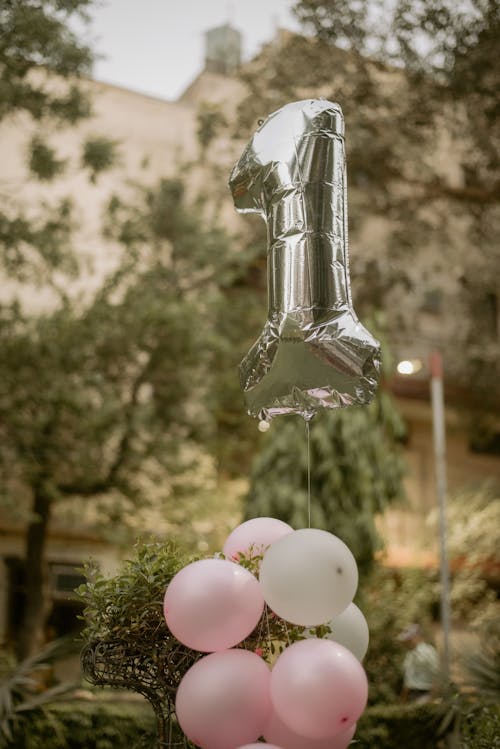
[
  {"x": 480, "y": 727},
  {"x": 398, "y": 727},
  {"x": 131, "y": 725},
  {"x": 88, "y": 725}
]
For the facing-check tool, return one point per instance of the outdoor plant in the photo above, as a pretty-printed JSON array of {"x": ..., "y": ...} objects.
[
  {"x": 482, "y": 665},
  {"x": 128, "y": 644},
  {"x": 21, "y": 686},
  {"x": 128, "y": 606}
]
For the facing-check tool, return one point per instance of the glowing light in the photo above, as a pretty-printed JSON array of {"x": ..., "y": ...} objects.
[{"x": 409, "y": 366}]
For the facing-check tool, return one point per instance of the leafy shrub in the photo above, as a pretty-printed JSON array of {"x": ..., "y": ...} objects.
[
  {"x": 76, "y": 725},
  {"x": 390, "y": 601},
  {"x": 480, "y": 728},
  {"x": 20, "y": 685},
  {"x": 473, "y": 518},
  {"x": 419, "y": 727},
  {"x": 397, "y": 726},
  {"x": 129, "y": 605},
  {"x": 482, "y": 664}
]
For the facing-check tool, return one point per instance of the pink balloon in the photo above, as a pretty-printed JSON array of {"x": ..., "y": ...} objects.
[
  {"x": 259, "y": 746},
  {"x": 318, "y": 688},
  {"x": 254, "y": 536},
  {"x": 212, "y": 604},
  {"x": 223, "y": 701},
  {"x": 281, "y": 734}
]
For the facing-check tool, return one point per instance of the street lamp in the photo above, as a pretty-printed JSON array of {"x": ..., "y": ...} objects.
[
  {"x": 438, "y": 424},
  {"x": 409, "y": 367}
]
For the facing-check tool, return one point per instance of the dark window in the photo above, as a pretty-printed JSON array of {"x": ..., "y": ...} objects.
[
  {"x": 65, "y": 606},
  {"x": 490, "y": 307},
  {"x": 488, "y": 445},
  {"x": 433, "y": 301}
]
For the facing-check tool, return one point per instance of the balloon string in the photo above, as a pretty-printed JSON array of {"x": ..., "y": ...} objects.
[
  {"x": 308, "y": 432},
  {"x": 268, "y": 629},
  {"x": 261, "y": 627},
  {"x": 287, "y": 633}
]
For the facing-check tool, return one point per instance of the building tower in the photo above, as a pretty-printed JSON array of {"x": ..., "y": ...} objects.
[{"x": 222, "y": 50}]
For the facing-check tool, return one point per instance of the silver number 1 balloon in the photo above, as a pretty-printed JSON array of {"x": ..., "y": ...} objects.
[{"x": 313, "y": 352}]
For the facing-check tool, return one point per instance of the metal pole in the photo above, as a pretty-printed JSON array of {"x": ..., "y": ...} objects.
[{"x": 438, "y": 424}]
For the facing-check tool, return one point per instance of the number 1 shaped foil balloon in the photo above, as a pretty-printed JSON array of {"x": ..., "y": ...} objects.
[{"x": 313, "y": 352}]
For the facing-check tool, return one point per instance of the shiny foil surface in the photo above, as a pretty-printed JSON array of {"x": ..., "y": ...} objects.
[{"x": 313, "y": 352}]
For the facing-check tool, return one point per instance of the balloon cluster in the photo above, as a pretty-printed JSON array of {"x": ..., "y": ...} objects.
[{"x": 317, "y": 688}]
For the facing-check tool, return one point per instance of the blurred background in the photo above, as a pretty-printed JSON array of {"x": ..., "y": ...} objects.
[{"x": 131, "y": 290}]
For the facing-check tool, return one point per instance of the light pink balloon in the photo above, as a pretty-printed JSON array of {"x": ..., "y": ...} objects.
[
  {"x": 223, "y": 701},
  {"x": 259, "y": 746},
  {"x": 279, "y": 733},
  {"x": 318, "y": 688},
  {"x": 212, "y": 604},
  {"x": 254, "y": 536}
]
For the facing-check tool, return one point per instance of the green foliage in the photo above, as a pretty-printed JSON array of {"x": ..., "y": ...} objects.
[
  {"x": 356, "y": 471},
  {"x": 129, "y": 605},
  {"x": 43, "y": 162},
  {"x": 397, "y": 726},
  {"x": 37, "y": 44},
  {"x": 20, "y": 689},
  {"x": 240, "y": 315},
  {"x": 159, "y": 220},
  {"x": 480, "y": 727},
  {"x": 102, "y": 725},
  {"x": 94, "y": 398},
  {"x": 473, "y": 517},
  {"x": 80, "y": 384},
  {"x": 482, "y": 665},
  {"x": 82, "y": 725},
  {"x": 390, "y": 601},
  {"x": 210, "y": 120},
  {"x": 98, "y": 155},
  {"x": 36, "y": 36},
  {"x": 45, "y": 237}
]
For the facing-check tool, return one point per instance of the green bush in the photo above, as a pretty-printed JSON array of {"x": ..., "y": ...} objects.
[
  {"x": 390, "y": 601},
  {"x": 480, "y": 728},
  {"x": 77, "y": 725},
  {"x": 398, "y": 726},
  {"x": 418, "y": 727},
  {"x": 89, "y": 725}
]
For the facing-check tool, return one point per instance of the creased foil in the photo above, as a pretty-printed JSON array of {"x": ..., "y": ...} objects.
[{"x": 313, "y": 352}]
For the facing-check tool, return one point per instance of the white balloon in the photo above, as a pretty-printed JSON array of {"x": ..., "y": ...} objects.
[
  {"x": 308, "y": 577},
  {"x": 349, "y": 629}
]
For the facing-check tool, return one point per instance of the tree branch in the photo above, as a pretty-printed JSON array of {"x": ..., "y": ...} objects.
[{"x": 108, "y": 482}]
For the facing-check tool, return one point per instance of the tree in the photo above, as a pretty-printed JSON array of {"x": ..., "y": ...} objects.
[
  {"x": 210, "y": 120},
  {"x": 102, "y": 395},
  {"x": 36, "y": 46},
  {"x": 95, "y": 400},
  {"x": 418, "y": 83}
]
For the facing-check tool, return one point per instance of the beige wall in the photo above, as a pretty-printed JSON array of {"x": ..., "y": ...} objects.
[
  {"x": 409, "y": 530},
  {"x": 155, "y": 139}
]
